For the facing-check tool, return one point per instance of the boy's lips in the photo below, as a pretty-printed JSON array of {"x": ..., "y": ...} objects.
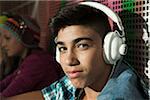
[{"x": 74, "y": 74}]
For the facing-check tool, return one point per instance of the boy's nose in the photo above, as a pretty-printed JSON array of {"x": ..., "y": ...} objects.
[{"x": 71, "y": 59}]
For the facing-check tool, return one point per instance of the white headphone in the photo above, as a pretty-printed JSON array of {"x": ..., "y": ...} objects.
[
  {"x": 114, "y": 42},
  {"x": 57, "y": 55}
]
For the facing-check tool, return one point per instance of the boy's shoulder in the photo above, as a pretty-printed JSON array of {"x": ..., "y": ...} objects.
[{"x": 59, "y": 90}]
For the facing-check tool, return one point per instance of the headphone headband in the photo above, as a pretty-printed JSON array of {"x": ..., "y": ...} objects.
[{"x": 108, "y": 12}]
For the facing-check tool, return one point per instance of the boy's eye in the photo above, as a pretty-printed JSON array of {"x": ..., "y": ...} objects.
[
  {"x": 83, "y": 46},
  {"x": 62, "y": 49}
]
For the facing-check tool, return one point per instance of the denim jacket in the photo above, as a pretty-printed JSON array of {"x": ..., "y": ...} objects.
[{"x": 123, "y": 85}]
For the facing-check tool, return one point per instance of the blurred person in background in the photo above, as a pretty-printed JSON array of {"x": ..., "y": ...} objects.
[
  {"x": 7, "y": 64},
  {"x": 36, "y": 68}
]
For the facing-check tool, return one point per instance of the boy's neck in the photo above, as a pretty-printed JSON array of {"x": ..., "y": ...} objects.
[{"x": 90, "y": 94}]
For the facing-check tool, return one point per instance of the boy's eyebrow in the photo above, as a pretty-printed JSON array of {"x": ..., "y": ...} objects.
[
  {"x": 83, "y": 38},
  {"x": 59, "y": 43},
  {"x": 75, "y": 41}
]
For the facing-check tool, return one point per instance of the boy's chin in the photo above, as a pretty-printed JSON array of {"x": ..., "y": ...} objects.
[{"x": 78, "y": 84}]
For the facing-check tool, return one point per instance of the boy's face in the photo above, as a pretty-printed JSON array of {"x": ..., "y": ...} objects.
[
  {"x": 81, "y": 55},
  {"x": 11, "y": 44}
]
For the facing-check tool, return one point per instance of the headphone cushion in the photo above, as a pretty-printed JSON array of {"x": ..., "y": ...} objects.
[
  {"x": 115, "y": 45},
  {"x": 57, "y": 55},
  {"x": 106, "y": 47},
  {"x": 112, "y": 43}
]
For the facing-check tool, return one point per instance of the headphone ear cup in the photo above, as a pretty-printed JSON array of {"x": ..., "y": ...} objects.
[
  {"x": 57, "y": 55},
  {"x": 28, "y": 39},
  {"x": 24, "y": 35},
  {"x": 29, "y": 32},
  {"x": 106, "y": 47},
  {"x": 112, "y": 45}
]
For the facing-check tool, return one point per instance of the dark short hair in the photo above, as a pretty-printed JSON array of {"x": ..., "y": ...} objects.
[{"x": 80, "y": 15}]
